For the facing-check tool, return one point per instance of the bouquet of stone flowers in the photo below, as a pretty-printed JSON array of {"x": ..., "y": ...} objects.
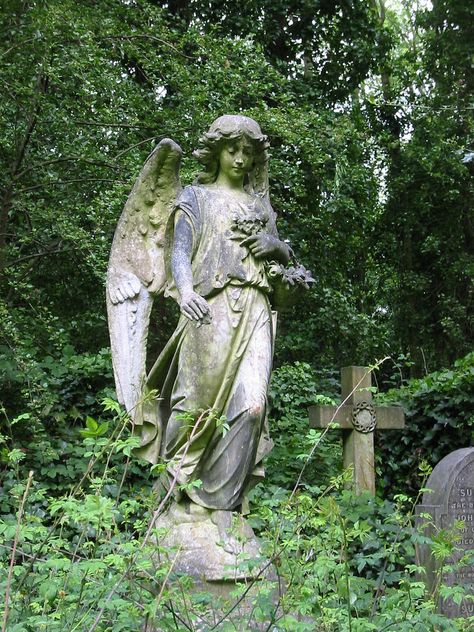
[
  {"x": 287, "y": 281},
  {"x": 248, "y": 226}
]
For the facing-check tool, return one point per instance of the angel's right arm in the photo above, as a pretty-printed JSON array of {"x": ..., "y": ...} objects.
[
  {"x": 181, "y": 254},
  {"x": 192, "y": 305}
]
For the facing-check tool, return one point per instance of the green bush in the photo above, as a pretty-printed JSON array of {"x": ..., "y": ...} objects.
[
  {"x": 439, "y": 412},
  {"x": 74, "y": 554},
  {"x": 295, "y": 387},
  {"x": 81, "y": 561}
]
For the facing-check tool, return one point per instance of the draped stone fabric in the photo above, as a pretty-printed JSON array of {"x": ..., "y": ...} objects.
[{"x": 224, "y": 366}]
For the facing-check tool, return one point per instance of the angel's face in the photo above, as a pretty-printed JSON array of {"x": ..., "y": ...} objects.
[{"x": 236, "y": 158}]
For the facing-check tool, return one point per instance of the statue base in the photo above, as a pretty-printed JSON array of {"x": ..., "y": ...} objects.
[
  {"x": 209, "y": 545},
  {"x": 222, "y": 555}
]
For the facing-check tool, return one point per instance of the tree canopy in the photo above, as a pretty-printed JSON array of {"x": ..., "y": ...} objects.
[{"x": 369, "y": 111}]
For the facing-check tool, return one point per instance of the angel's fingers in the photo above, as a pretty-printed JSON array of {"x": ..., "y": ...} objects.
[
  {"x": 136, "y": 285},
  {"x": 188, "y": 312},
  {"x": 203, "y": 306},
  {"x": 196, "y": 310},
  {"x": 119, "y": 294},
  {"x": 249, "y": 240},
  {"x": 130, "y": 291},
  {"x": 207, "y": 317}
]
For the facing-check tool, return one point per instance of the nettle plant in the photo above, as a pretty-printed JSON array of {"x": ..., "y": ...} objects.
[{"x": 87, "y": 556}]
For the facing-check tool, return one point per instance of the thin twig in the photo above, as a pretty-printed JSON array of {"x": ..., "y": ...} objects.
[
  {"x": 144, "y": 36},
  {"x": 19, "y": 45},
  {"x": 54, "y": 183},
  {"x": 158, "y": 599},
  {"x": 156, "y": 513},
  {"x": 15, "y": 542},
  {"x": 142, "y": 142},
  {"x": 106, "y": 124},
  {"x": 23, "y": 553},
  {"x": 36, "y": 255},
  {"x": 96, "y": 163}
]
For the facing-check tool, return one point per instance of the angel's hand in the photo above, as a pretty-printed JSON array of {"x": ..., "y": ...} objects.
[
  {"x": 195, "y": 307},
  {"x": 263, "y": 246},
  {"x": 123, "y": 286}
]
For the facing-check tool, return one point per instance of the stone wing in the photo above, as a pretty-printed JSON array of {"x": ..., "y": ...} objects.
[{"x": 137, "y": 269}]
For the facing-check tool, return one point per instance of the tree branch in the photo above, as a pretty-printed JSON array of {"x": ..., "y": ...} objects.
[
  {"x": 61, "y": 182},
  {"x": 144, "y": 36},
  {"x": 6, "y": 203},
  {"x": 98, "y": 163},
  {"x": 36, "y": 255},
  {"x": 105, "y": 124},
  {"x": 142, "y": 142}
]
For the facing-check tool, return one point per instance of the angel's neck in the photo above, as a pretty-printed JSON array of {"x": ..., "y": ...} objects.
[
  {"x": 234, "y": 183},
  {"x": 238, "y": 194}
]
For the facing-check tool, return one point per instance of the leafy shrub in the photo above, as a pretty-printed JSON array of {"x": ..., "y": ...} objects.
[
  {"x": 439, "y": 411},
  {"x": 54, "y": 388},
  {"x": 293, "y": 388},
  {"x": 349, "y": 562},
  {"x": 80, "y": 558}
]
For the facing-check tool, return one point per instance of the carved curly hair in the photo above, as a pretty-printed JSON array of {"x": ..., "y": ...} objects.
[{"x": 224, "y": 129}]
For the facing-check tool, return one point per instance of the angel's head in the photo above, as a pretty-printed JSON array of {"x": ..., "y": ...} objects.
[{"x": 228, "y": 129}]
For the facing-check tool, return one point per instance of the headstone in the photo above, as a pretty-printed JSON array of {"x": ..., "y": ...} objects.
[
  {"x": 358, "y": 418},
  {"x": 451, "y": 500}
]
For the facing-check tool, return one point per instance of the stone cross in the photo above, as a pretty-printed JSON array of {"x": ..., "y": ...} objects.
[{"x": 358, "y": 418}]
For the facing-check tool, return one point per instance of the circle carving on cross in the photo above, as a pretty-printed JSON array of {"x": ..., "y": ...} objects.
[{"x": 363, "y": 417}]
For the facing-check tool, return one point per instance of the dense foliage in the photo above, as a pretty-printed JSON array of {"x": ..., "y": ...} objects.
[
  {"x": 371, "y": 168},
  {"x": 86, "y": 559},
  {"x": 439, "y": 412}
]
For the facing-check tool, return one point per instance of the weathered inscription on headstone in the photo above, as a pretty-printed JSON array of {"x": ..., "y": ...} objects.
[{"x": 451, "y": 500}]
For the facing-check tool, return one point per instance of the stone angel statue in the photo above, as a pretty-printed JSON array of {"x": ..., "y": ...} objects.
[{"x": 214, "y": 248}]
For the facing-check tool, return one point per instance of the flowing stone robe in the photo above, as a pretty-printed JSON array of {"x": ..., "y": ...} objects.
[{"x": 223, "y": 366}]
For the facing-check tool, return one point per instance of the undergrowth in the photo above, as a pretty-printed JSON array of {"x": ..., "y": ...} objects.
[{"x": 77, "y": 551}]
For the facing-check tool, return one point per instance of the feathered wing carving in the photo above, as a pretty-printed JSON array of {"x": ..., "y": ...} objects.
[{"x": 137, "y": 269}]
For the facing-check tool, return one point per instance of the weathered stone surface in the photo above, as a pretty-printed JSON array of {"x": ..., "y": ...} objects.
[
  {"x": 220, "y": 552},
  {"x": 214, "y": 248},
  {"x": 202, "y": 408},
  {"x": 451, "y": 500},
  {"x": 210, "y": 546},
  {"x": 358, "y": 419}
]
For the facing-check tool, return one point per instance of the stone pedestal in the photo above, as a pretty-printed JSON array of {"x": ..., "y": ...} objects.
[
  {"x": 210, "y": 546},
  {"x": 220, "y": 552}
]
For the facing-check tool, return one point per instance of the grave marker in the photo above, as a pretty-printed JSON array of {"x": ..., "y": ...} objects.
[
  {"x": 451, "y": 500},
  {"x": 358, "y": 418}
]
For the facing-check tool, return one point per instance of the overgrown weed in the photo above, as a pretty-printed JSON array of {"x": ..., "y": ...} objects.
[{"x": 78, "y": 552}]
